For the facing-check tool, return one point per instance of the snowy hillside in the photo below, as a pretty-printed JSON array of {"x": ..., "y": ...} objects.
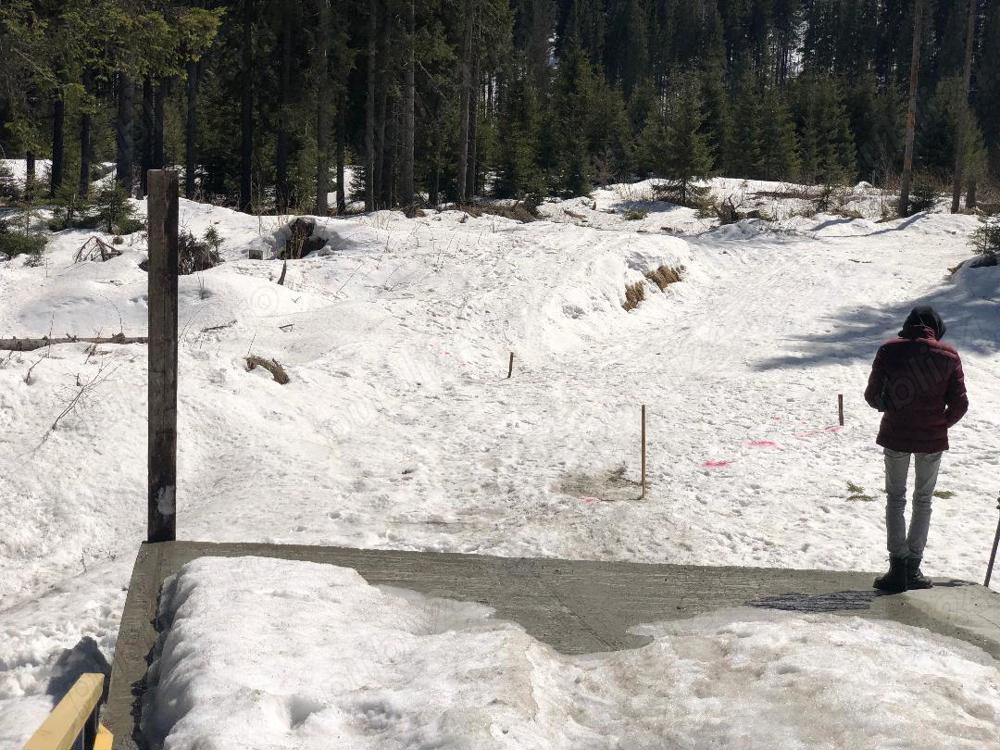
[{"x": 400, "y": 429}]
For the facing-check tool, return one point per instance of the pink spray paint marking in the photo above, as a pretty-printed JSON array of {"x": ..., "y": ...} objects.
[
  {"x": 589, "y": 500},
  {"x": 835, "y": 428},
  {"x": 716, "y": 464},
  {"x": 762, "y": 444}
]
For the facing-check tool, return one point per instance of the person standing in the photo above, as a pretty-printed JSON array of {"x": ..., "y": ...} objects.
[{"x": 918, "y": 384}]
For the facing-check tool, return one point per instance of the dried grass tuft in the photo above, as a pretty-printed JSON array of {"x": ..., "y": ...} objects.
[
  {"x": 634, "y": 294},
  {"x": 664, "y": 276}
]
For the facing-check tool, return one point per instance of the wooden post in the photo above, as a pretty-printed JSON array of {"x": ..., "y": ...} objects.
[
  {"x": 840, "y": 408},
  {"x": 510, "y": 367},
  {"x": 643, "y": 452},
  {"x": 162, "y": 278},
  {"x": 993, "y": 554}
]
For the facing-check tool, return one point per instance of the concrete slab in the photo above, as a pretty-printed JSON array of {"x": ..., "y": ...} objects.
[{"x": 575, "y": 606}]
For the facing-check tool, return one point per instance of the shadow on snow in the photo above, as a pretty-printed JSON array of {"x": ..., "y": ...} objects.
[{"x": 969, "y": 302}]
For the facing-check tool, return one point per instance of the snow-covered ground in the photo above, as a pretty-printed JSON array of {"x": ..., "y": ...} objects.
[
  {"x": 400, "y": 429},
  {"x": 17, "y": 169},
  {"x": 424, "y": 673}
]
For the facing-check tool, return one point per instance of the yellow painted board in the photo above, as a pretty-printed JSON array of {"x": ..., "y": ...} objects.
[
  {"x": 63, "y": 725},
  {"x": 104, "y": 738}
]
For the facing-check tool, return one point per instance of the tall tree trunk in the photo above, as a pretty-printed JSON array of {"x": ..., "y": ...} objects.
[
  {"x": 58, "y": 144},
  {"x": 147, "y": 134},
  {"x": 86, "y": 138},
  {"x": 970, "y": 194},
  {"x": 463, "y": 135},
  {"x": 281, "y": 197},
  {"x": 123, "y": 132},
  {"x": 434, "y": 179},
  {"x": 29, "y": 175},
  {"x": 341, "y": 126},
  {"x": 191, "y": 130},
  {"x": 409, "y": 104},
  {"x": 86, "y": 150},
  {"x": 911, "y": 112},
  {"x": 383, "y": 183},
  {"x": 322, "y": 108},
  {"x": 387, "y": 139},
  {"x": 963, "y": 111},
  {"x": 470, "y": 178},
  {"x": 380, "y": 147},
  {"x": 246, "y": 111},
  {"x": 370, "y": 108}
]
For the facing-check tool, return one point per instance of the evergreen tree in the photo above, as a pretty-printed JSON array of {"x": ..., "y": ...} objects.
[
  {"x": 986, "y": 100},
  {"x": 718, "y": 126},
  {"x": 779, "y": 157},
  {"x": 517, "y": 171},
  {"x": 826, "y": 145},
  {"x": 744, "y": 153},
  {"x": 876, "y": 120},
  {"x": 684, "y": 156},
  {"x": 936, "y": 135}
]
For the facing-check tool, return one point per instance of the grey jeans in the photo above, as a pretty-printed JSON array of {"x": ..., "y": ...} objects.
[{"x": 897, "y": 466}]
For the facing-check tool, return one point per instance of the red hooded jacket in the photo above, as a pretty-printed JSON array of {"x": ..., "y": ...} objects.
[{"x": 917, "y": 381}]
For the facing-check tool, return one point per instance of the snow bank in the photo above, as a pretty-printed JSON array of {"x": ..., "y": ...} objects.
[{"x": 263, "y": 653}]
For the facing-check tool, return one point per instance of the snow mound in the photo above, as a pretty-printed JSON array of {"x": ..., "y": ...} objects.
[{"x": 263, "y": 653}]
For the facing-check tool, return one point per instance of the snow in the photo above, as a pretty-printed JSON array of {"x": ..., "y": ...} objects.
[
  {"x": 392, "y": 669},
  {"x": 400, "y": 429},
  {"x": 18, "y": 169}
]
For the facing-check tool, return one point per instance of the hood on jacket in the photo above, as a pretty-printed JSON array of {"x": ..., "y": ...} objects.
[{"x": 921, "y": 322}]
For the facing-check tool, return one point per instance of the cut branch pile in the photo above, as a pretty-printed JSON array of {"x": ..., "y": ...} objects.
[{"x": 96, "y": 249}]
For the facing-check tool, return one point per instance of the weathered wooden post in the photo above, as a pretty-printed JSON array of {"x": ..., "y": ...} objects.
[
  {"x": 510, "y": 366},
  {"x": 840, "y": 408},
  {"x": 162, "y": 217}
]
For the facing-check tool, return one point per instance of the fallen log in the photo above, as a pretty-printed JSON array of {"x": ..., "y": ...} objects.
[
  {"x": 29, "y": 345},
  {"x": 271, "y": 365}
]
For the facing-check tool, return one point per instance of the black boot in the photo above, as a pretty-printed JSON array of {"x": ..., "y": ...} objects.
[
  {"x": 893, "y": 582},
  {"x": 914, "y": 578}
]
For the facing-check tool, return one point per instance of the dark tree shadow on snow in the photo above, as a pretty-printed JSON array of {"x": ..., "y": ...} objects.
[
  {"x": 897, "y": 226},
  {"x": 969, "y": 302}
]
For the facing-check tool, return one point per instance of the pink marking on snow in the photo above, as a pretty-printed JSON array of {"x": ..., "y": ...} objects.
[
  {"x": 762, "y": 444},
  {"x": 716, "y": 464},
  {"x": 589, "y": 500},
  {"x": 835, "y": 428}
]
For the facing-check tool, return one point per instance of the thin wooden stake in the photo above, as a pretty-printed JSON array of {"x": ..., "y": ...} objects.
[
  {"x": 510, "y": 367},
  {"x": 840, "y": 407},
  {"x": 993, "y": 554},
  {"x": 162, "y": 279},
  {"x": 643, "y": 452}
]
